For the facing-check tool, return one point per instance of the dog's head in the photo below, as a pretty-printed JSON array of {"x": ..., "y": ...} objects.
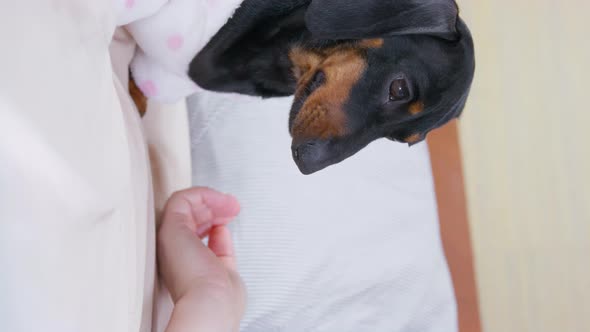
[
  {"x": 408, "y": 72},
  {"x": 393, "y": 69}
]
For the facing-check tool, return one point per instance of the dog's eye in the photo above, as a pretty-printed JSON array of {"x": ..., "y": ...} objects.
[{"x": 399, "y": 90}]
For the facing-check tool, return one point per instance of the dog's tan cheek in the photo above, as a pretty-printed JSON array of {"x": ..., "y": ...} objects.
[
  {"x": 318, "y": 121},
  {"x": 322, "y": 116}
]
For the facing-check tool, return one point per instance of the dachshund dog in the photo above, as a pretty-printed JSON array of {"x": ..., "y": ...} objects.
[{"x": 359, "y": 70}]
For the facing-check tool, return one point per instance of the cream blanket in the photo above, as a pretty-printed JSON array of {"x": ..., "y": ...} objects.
[{"x": 77, "y": 189}]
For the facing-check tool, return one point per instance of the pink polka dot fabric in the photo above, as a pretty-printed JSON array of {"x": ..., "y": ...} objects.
[
  {"x": 175, "y": 42},
  {"x": 149, "y": 88},
  {"x": 169, "y": 34}
]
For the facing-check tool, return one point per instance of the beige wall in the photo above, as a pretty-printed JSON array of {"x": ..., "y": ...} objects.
[{"x": 526, "y": 142}]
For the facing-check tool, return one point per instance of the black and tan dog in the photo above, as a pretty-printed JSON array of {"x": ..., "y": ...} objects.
[{"x": 360, "y": 70}]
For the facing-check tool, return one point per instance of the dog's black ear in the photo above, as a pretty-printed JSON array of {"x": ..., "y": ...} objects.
[
  {"x": 250, "y": 54},
  {"x": 359, "y": 19}
]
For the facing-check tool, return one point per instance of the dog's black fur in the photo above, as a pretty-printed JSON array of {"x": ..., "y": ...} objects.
[{"x": 405, "y": 68}]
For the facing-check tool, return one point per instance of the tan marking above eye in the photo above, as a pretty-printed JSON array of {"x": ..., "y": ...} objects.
[
  {"x": 416, "y": 108},
  {"x": 372, "y": 43},
  {"x": 322, "y": 115}
]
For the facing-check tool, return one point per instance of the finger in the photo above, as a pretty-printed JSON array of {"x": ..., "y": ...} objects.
[
  {"x": 204, "y": 229},
  {"x": 221, "y": 244},
  {"x": 214, "y": 209},
  {"x": 221, "y": 205},
  {"x": 205, "y": 206}
]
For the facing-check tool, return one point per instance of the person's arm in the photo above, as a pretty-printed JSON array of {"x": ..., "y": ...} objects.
[{"x": 207, "y": 291}]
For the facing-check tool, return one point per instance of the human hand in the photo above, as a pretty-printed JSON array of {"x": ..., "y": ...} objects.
[{"x": 207, "y": 291}]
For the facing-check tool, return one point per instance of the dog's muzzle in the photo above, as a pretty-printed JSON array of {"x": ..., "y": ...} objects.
[{"x": 310, "y": 156}]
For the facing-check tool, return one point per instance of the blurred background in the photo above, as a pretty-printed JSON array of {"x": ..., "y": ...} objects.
[{"x": 526, "y": 160}]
